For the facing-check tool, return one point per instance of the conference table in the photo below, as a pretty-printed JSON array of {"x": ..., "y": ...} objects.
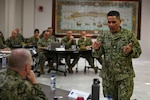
[
  {"x": 71, "y": 57},
  {"x": 60, "y": 93}
]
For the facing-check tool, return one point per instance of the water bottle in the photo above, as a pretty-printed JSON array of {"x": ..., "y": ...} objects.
[
  {"x": 74, "y": 47},
  {"x": 62, "y": 46},
  {"x": 34, "y": 50},
  {"x": 95, "y": 89},
  {"x": 4, "y": 61},
  {"x": 53, "y": 82}
]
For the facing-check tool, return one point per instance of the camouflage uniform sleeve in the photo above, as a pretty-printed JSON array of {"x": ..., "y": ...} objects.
[
  {"x": 28, "y": 41},
  {"x": 31, "y": 41},
  {"x": 19, "y": 40},
  {"x": 53, "y": 38},
  {"x": 81, "y": 42},
  {"x": 13, "y": 87},
  {"x": 22, "y": 92},
  {"x": 89, "y": 42},
  {"x": 41, "y": 36},
  {"x": 64, "y": 41},
  {"x": 50, "y": 41},
  {"x": 136, "y": 48},
  {"x": 20, "y": 36},
  {"x": 99, "y": 52},
  {"x": 73, "y": 42},
  {"x": 39, "y": 42},
  {"x": 39, "y": 93},
  {"x": 2, "y": 45},
  {"x": 67, "y": 43},
  {"x": 8, "y": 42}
]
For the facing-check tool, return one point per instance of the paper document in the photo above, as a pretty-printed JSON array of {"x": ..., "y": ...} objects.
[
  {"x": 60, "y": 49},
  {"x": 6, "y": 52}
]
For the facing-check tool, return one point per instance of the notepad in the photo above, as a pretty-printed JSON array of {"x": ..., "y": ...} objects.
[{"x": 77, "y": 93}]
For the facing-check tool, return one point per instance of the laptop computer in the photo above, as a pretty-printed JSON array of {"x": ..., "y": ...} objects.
[{"x": 55, "y": 45}]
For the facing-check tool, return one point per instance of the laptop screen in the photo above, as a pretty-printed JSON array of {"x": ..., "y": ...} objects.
[{"x": 55, "y": 45}]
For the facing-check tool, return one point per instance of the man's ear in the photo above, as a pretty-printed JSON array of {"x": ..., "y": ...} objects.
[
  {"x": 27, "y": 67},
  {"x": 120, "y": 20}
]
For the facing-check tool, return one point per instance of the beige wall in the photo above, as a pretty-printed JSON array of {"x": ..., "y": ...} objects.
[{"x": 145, "y": 30}]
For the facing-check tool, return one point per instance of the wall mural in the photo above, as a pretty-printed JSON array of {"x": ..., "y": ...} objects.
[{"x": 78, "y": 15}]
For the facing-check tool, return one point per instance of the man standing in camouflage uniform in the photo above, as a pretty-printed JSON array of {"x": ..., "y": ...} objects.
[
  {"x": 44, "y": 54},
  {"x": 19, "y": 81},
  {"x": 118, "y": 47},
  {"x": 85, "y": 42},
  {"x": 68, "y": 41}
]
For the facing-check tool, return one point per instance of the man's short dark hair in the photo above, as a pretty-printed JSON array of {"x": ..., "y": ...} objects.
[
  {"x": 36, "y": 30},
  {"x": 114, "y": 13}
]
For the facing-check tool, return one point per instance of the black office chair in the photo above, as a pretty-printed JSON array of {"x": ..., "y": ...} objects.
[
  {"x": 35, "y": 63},
  {"x": 54, "y": 65},
  {"x": 89, "y": 66}
]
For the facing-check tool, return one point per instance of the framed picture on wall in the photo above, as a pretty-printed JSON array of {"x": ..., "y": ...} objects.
[{"x": 91, "y": 15}]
